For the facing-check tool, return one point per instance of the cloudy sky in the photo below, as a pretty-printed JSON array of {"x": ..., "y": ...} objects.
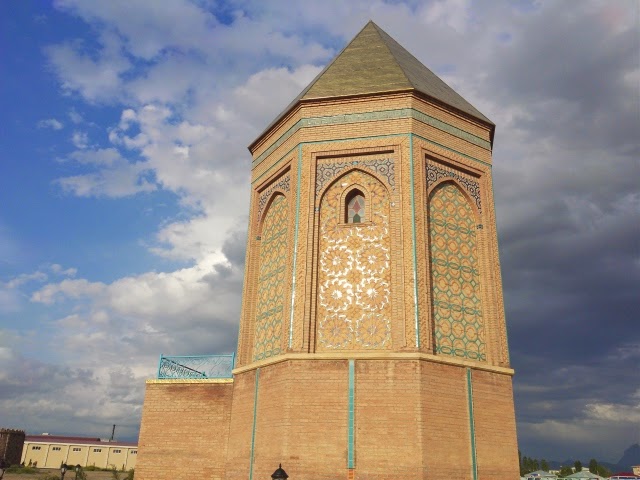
[{"x": 124, "y": 180}]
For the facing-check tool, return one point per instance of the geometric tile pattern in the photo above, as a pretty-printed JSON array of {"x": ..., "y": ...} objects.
[
  {"x": 472, "y": 187},
  {"x": 271, "y": 280},
  {"x": 283, "y": 183},
  {"x": 354, "y": 277},
  {"x": 457, "y": 310},
  {"x": 328, "y": 171}
]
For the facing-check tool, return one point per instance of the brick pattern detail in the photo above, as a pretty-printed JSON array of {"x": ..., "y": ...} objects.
[
  {"x": 446, "y": 431},
  {"x": 497, "y": 448},
  {"x": 184, "y": 425},
  {"x": 241, "y": 428},
  {"x": 293, "y": 424},
  {"x": 389, "y": 420}
]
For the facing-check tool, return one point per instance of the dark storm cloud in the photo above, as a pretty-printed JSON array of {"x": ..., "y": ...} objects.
[
  {"x": 234, "y": 247},
  {"x": 21, "y": 376},
  {"x": 566, "y": 179}
]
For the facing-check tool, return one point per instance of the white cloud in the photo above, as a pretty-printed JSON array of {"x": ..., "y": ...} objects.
[
  {"x": 73, "y": 289},
  {"x": 75, "y": 117},
  {"x": 80, "y": 139},
  {"x": 26, "y": 277},
  {"x": 115, "y": 176},
  {"x": 612, "y": 413},
  {"x": 51, "y": 123},
  {"x": 96, "y": 78},
  {"x": 60, "y": 270},
  {"x": 454, "y": 13}
]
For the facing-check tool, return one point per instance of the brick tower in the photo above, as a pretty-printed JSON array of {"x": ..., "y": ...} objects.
[{"x": 372, "y": 338}]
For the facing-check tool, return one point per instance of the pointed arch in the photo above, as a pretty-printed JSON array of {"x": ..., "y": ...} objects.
[
  {"x": 275, "y": 193},
  {"x": 271, "y": 278},
  {"x": 455, "y": 278},
  {"x": 346, "y": 176},
  {"x": 463, "y": 191}
]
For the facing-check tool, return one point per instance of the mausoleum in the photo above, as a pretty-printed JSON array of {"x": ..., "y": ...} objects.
[{"x": 372, "y": 341}]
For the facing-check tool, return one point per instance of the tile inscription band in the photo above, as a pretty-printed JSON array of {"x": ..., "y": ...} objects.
[{"x": 374, "y": 116}]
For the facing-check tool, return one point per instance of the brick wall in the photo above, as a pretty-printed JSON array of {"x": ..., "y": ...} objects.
[
  {"x": 184, "y": 430},
  {"x": 495, "y": 425},
  {"x": 389, "y": 420}
]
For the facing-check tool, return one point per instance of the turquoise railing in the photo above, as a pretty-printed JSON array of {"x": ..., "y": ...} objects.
[{"x": 196, "y": 366}]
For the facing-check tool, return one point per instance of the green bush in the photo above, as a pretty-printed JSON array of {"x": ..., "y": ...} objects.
[{"x": 116, "y": 475}]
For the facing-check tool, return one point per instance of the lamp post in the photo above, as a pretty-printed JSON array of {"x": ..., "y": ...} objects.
[
  {"x": 63, "y": 470},
  {"x": 78, "y": 468},
  {"x": 279, "y": 474}
]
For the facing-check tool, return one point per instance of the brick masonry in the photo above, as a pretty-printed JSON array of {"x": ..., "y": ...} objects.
[{"x": 184, "y": 430}]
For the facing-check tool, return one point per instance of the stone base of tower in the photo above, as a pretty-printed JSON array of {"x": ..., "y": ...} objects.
[{"x": 366, "y": 418}]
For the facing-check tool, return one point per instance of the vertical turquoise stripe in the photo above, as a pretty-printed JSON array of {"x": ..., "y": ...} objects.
[
  {"x": 295, "y": 246},
  {"x": 253, "y": 433},
  {"x": 472, "y": 428},
  {"x": 413, "y": 231},
  {"x": 350, "y": 427}
]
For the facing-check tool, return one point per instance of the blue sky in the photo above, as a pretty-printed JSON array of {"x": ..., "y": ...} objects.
[{"x": 124, "y": 192}]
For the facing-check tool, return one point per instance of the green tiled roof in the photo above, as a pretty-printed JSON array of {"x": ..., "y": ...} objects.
[{"x": 373, "y": 62}]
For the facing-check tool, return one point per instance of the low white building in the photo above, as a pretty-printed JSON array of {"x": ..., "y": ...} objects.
[{"x": 51, "y": 451}]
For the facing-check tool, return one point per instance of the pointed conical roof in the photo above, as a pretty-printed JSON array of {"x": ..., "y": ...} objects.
[{"x": 373, "y": 62}]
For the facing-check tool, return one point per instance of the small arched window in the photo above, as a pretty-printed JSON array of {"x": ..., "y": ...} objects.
[{"x": 355, "y": 207}]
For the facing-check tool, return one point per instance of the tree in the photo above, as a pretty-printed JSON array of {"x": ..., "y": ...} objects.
[
  {"x": 544, "y": 465},
  {"x": 520, "y": 462},
  {"x": 578, "y": 465},
  {"x": 593, "y": 466},
  {"x": 604, "y": 471},
  {"x": 565, "y": 471}
]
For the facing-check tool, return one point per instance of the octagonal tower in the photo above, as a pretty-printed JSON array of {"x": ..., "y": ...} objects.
[{"x": 372, "y": 338}]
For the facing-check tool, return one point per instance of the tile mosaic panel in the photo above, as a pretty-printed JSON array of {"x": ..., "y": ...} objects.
[
  {"x": 435, "y": 173},
  {"x": 457, "y": 309},
  {"x": 283, "y": 184},
  {"x": 354, "y": 278},
  {"x": 271, "y": 280},
  {"x": 328, "y": 171}
]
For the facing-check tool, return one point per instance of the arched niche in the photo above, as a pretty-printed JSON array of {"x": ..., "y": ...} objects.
[
  {"x": 459, "y": 327},
  {"x": 269, "y": 316},
  {"x": 354, "y": 267}
]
